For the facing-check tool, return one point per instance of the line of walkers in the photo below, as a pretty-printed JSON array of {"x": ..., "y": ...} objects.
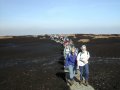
[{"x": 75, "y": 60}]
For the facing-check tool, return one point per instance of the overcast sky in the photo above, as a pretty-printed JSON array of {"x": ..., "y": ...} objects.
[{"x": 24, "y": 17}]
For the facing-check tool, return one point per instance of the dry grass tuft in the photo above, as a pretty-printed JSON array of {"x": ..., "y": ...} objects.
[
  {"x": 6, "y": 37},
  {"x": 84, "y": 40}
]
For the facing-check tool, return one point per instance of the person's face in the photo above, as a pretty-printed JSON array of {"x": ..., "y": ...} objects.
[
  {"x": 83, "y": 49},
  {"x": 73, "y": 50},
  {"x": 66, "y": 46}
]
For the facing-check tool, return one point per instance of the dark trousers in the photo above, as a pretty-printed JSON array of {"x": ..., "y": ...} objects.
[{"x": 84, "y": 72}]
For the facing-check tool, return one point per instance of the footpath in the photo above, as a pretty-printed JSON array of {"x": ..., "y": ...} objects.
[{"x": 76, "y": 85}]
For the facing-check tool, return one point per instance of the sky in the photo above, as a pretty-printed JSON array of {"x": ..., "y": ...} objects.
[{"x": 34, "y": 17}]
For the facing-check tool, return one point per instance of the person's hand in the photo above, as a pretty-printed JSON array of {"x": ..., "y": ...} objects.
[
  {"x": 65, "y": 67},
  {"x": 85, "y": 61}
]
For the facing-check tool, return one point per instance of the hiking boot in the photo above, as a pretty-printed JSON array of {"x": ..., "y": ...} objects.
[
  {"x": 81, "y": 82},
  {"x": 86, "y": 83},
  {"x": 76, "y": 73},
  {"x": 71, "y": 82}
]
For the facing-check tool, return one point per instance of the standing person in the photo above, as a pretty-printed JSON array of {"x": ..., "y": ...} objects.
[
  {"x": 66, "y": 51},
  {"x": 76, "y": 51},
  {"x": 77, "y": 67},
  {"x": 71, "y": 62},
  {"x": 82, "y": 62},
  {"x": 71, "y": 43}
]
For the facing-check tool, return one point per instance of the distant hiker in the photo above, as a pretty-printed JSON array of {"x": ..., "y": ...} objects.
[
  {"x": 66, "y": 51},
  {"x": 82, "y": 62},
  {"x": 65, "y": 41},
  {"x": 71, "y": 62},
  {"x": 77, "y": 67},
  {"x": 76, "y": 51},
  {"x": 71, "y": 43}
]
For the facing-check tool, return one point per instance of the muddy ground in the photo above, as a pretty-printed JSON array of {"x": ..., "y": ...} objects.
[{"x": 28, "y": 63}]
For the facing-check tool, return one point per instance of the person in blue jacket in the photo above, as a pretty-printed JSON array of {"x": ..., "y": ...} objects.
[{"x": 71, "y": 62}]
